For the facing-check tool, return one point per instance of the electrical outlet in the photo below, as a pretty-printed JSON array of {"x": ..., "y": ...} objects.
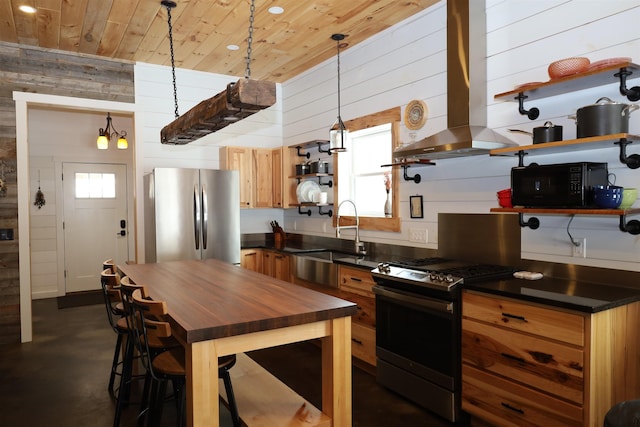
[
  {"x": 580, "y": 251},
  {"x": 418, "y": 235}
]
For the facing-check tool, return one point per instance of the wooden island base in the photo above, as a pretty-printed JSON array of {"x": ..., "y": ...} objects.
[{"x": 264, "y": 401}]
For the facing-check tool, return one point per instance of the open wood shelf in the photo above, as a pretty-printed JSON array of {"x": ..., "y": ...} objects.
[
  {"x": 631, "y": 227},
  {"x": 580, "y": 81},
  {"x": 590, "y": 143},
  {"x": 554, "y": 211}
]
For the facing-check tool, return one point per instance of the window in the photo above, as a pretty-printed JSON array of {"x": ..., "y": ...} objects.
[
  {"x": 366, "y": 179},
  {"x": 358, "y": 173},
  {"x": 95, "y": 185}
]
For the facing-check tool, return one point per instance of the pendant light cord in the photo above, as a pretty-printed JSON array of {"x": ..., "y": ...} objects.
[
  {"x": 339, "y": 115},
  {"x": 247, "y": 73},
  {"x": 169, "y": 5}
]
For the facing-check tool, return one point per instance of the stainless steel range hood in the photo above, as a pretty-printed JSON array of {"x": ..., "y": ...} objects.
[{"x": 467, "y": 133}]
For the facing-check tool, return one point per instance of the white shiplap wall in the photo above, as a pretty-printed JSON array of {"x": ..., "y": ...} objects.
[
  {"x": 408, "y": 62},
  {"x": 154, "y": 96}
]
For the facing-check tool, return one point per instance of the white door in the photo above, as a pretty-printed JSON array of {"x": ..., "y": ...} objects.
[{"x": 95, "y": 221}]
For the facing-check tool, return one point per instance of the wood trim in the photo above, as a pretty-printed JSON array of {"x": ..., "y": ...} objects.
[{"x": 393, "y": 116}]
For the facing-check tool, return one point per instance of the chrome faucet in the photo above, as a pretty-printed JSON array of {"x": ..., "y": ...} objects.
[{"x": 359, "y": 246}]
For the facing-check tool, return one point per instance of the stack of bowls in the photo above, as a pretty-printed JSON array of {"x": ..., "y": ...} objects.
[
  {"x": 504, "y": 198},
  {"x": 607, "y": 196}
]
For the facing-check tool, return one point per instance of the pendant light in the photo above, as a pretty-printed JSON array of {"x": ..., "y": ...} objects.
[
  {"x": 105, "y": 135},
  {"x": 339, "y": 133}
]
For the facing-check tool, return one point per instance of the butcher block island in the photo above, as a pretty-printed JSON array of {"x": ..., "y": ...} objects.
[{"x": 217, "y": 309}]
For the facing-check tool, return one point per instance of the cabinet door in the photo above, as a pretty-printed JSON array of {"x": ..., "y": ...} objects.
[
  {"x": 268, "y": 266},
  {"x": 281, "y": 267},
  {"x": 251, "y": 259},
  {"x": 240, "y": 159},
  {"x": 277, "y": 196},
  {"x": 263, "y": 178}
]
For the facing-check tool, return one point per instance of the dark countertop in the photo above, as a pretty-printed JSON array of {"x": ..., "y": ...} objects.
[
  {"x": 580, "y": 296},
  {"x": 569, "y": 294}
]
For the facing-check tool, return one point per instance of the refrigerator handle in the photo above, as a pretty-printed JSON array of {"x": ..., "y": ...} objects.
[
  {"x": 196, "y": 216},
  {"x": 205, "y": 216}
]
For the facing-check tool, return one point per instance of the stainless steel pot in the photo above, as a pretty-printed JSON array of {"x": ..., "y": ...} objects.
[
  {"x": 605, "y": 117},
  {"x": 547, "y": 133}
]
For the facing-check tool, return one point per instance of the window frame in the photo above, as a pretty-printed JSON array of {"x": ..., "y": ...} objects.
[{"x": 393, "y": 116}]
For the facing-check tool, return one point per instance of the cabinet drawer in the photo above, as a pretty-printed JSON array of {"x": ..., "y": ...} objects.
[
  {"x": 550, "y": 323},
  {"x": 503, "y": 403},
  {"x": 549, "y": 366},
  {"x": 356, "y": 280},
  {"x": 366, "y": 307},
  {"x": 363, "y": 343}
]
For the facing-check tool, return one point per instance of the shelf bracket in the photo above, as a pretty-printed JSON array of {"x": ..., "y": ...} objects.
[
  {"x": 307, "y": 212},
  {"x": 307, "y": 154},
  {"x": 631, "y": 227},
  {"x": 632, "y": 161},
  {"x": 632, "y": 94},
  {"x": 533, "y": 222},
  {"x": 329, "y": 183},
  {"x": 521, "y": 154},
  {"x": 532, "y": 114},
  {"x": 329, "y": 212},
  {"x": 416, "y": 178},
  {"x": 320, "y": 150}
]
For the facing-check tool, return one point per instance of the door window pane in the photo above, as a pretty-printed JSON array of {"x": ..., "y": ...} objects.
[{"x": 95, "y": 185}]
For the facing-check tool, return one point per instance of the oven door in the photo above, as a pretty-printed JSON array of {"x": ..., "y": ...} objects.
[{"x": 418, "y": 334}]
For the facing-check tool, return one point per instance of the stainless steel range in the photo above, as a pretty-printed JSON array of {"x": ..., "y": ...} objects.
[{"x": 418, "y": 328}]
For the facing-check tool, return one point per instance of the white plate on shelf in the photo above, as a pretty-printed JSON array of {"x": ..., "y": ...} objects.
[
  {"x": 313, "y": 193},
  {"x": 306, "y": 190}
]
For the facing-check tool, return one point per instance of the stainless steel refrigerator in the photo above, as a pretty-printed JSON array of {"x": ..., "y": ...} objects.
[{"x": 192, "y": 214}]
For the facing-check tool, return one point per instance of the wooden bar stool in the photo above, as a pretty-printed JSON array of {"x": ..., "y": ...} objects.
[
  {"x": 169, "y": 366},
  {"x": 110, "y": 283}
]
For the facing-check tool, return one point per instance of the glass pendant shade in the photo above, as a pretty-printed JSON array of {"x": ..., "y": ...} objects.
[
  {"x": 123, "y": 144},
  {"x": 338, "y": 137},
  {"x": 103, "y": 141}
]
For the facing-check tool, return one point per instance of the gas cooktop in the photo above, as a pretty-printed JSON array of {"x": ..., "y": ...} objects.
[{"x": 440, "y": 273}]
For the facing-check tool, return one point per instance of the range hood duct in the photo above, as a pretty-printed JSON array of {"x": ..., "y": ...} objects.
[{"x": 467, "y": 133}]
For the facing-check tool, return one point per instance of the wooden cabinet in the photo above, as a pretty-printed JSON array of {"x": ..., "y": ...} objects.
[
  {"x": 260, "y": 174},
  {"x": 355, "y": 285},
  {"x": 527, "y": 364},
  {"x": 251, "y": 259},
  {"x": 276, "y": 264}
]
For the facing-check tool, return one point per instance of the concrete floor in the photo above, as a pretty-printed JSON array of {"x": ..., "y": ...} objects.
[{"x": 60, "y": 379}]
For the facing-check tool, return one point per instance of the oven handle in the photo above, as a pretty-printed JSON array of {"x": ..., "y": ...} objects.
[{"x": 422, "y": 301}]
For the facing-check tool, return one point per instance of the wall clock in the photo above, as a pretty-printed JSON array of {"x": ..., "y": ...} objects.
[{"x": 415, "y": 114}]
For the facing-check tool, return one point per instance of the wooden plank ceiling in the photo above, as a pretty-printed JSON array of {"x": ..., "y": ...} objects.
[{"x": 284, "y": 45}]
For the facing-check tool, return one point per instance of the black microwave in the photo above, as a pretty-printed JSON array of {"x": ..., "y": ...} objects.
[{"x": 563, "y": 185}]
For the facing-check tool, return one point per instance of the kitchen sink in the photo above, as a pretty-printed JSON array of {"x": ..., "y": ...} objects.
[{"x": 317, "y": 267}]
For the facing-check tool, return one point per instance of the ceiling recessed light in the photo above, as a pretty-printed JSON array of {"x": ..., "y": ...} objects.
[
  {"x": 27, "y": 9},
  {"x": 233, "y": 47},
  {"x": 276, "y": 10}
]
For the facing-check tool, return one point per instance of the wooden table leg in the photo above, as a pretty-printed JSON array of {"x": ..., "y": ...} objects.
[
  {"x": 336, "y": 373},
  {"x": 202, "y": 385}
]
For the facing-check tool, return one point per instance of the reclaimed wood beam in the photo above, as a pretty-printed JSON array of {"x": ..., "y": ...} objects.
[{"x": 237, "y": 101}]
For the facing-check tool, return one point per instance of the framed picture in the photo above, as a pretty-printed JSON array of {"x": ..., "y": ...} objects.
[{"x": 415, "y": 206}]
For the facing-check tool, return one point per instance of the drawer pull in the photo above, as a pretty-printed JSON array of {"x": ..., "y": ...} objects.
[
  {"x": 513, "y": 316},
  {"x": 514, "y": 409},
  {"x": 511, "y": 357},
  {"x": 356, "y": 341},
  {"x": 355, "y": 279}
]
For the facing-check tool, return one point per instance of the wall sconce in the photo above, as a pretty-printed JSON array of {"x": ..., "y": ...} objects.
[
  {"x": 105, "y": 135},
  {"x": 339, "y": 133}
]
